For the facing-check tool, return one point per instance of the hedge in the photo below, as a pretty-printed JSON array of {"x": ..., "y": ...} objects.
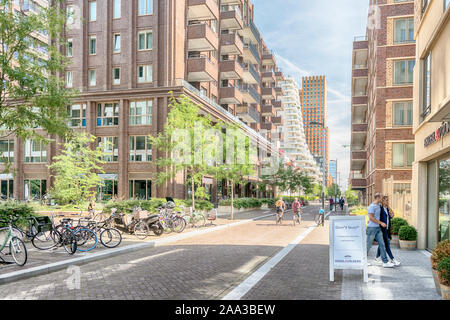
[
  {"x": 16, "y": 208},
  {"x": 152, "y": 205}
]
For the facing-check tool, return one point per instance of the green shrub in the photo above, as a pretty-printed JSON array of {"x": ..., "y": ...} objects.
[
  {"x": 396, "y": 224},
  {"x": 440, "y": 252},
  {"x": 407, "y": 233},
  {"x": 444, "y": 271},
  {"x": 202, "y": 205},
  {"x": 16, "y": 208},
  {"x": 127, "y": 206}
]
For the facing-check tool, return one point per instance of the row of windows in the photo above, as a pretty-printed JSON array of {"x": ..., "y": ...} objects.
[{"x": 140, "y": 113}]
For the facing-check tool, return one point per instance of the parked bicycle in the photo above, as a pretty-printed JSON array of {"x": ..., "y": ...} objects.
[
  {"x": 109, "y": 237},
  {"x": 50, "y": 236},
  {"x": 195, "y": 219},
  {"x": 86, "y": 238},
  {"x": 16, "y": 247}
]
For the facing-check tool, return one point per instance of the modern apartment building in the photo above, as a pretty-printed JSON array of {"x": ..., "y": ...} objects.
[
  {"x": 382, "y": 142},
  {"x": 431, "y": 169},
  {"x": 314, "y": 109},
  {"x": 294, "y": 142},
  {"x": 127, "y": 56}
]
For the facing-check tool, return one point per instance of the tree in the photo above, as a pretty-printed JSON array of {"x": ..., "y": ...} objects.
[
  {"x": 33, "y": 93},
  {"x": 185, "y": 144},
  {"x": 76, "y": 170},
  {"x": 333, "y": 190},
  {"x": 351, "y": 196}
]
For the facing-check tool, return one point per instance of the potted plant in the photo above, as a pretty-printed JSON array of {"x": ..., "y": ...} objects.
[
  {"x": 396, "y": 224},
  {"x": 444, "y": 277},
  {"x": 408, "y": 237},
  {"x": 440, "y": 252}
]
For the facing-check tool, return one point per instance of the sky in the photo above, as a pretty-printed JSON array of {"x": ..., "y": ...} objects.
[{"x": 315, "y": 37}]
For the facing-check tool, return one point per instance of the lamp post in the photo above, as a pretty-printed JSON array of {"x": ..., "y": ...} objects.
[
  {"x": 321, "y": 124},
  {"x": 335, "y": 185}
]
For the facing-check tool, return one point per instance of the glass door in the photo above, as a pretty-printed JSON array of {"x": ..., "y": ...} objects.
[{"x": 443, "y": 232}]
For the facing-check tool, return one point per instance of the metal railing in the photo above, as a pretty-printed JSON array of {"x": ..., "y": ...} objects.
[
  {"x": 250, "y": 68},
  {"x": 254, "y": 51},
  {"x": 360, "y": 38},
  {"x": 252, "y": 91}
]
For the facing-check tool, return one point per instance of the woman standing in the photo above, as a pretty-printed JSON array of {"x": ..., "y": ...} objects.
[{"x": 386, "y": 215}]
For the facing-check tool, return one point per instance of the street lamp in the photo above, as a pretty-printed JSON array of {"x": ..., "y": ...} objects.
[{"x": 321, "y": 124}]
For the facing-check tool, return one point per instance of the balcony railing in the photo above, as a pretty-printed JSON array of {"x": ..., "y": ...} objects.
[
  {"x": 250, "y": 68},
  {"x": 360, "y": 38},
  {"x": 252, "y": 91},
  {"x": 254, "y": 51}
]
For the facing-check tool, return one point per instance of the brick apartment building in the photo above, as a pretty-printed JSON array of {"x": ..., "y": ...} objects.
[
  {"x": 126, "y": 57},
  {"x": 382, "y": 142}
]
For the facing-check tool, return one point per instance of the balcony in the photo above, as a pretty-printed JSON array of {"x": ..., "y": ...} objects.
[
  {"x": 268, "y": 59},
  {"x": 277, "y": 104},
  {"x": 230, "y": 95},
  {"x": 277, "y": 121},
  {"x": 202, "y": 10},
  {"x": 248, "y": 114},
  {"x": 359, "y": 113},
  {"x": 360, "y": 127},
  {"x": 358, "y": 137},
  {"x": 268, "y": 93},
  {"x": 251, "y": 54},
  {"x": 230, "y": 70},
  {"x": 358, "y": 160},
  {"x": 358, "y": 183},
  {"x": 250, "y": 95},
  {"x": 230, "y": 2},
  {"x": 268, "y": 111},
  {"x": 268, "y": 76},
  {"x": 202, "y": 38},
  {"x": 358, "y": 73},
  {"x": 250, "y": 33},
  {"x": 251, "y": 75},
  {"x": 359, "y": 87},
  {"x": 360, "y": 100},
  {"x": 201, "y": 69},
  {"x": 231, "y": 20},
  {"x": 269, "y": 126},
  {"x": 279, "y": 91},
  {"x": 231, "y": 44},
  {"x": 279, "y": 76}
]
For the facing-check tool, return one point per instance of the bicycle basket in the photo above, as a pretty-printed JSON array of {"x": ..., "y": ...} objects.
[
  {"x": 44, "y": 224},
  {"x": 141, "y": 214}
]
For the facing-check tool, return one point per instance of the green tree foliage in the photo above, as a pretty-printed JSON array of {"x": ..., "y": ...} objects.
[
  {"x": 32, "y": 90},
  {"x": 290, "y": 179},
  {"x": 334, "y": 190},
  {"x": 76, "y": 170},
  {"x": 352, "y": 197}
]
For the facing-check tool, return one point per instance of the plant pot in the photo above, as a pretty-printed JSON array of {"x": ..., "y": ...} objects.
[
  {"x": 395, "y": 242},
  {"x": 408, "y": 245},
  {"x": 445, "y": 292},
  {"x": 437, "y": 283}
]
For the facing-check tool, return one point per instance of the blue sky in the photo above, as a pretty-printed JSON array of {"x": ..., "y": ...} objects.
[{"x": 315, "y": 37}]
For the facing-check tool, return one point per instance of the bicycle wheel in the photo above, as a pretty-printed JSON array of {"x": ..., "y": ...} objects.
[
  {"x": 316, "y": 218},
  {"x": 69, "y": 242},
  {"x": 198, "y": 220},
  {"x": 18, "y": 251},
  {"x": 99, "y": 217},
  {"x": 141, "y": 230},
  {"x": 110, "y": 238},
  {"x": 86, "y": 239},
  {"x": 46, "y": 240},
  {"x": 15, "y": 233},
  {"x": 178, "y": 225}
]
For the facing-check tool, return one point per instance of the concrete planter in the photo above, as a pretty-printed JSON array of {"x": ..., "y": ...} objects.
[
  {"x": 437, "y": 283},
  {"x": 408, "y": 245},
  {"x": 395, "y": 241},
  {"x": 445, "y": 292},
  {"x": 227, "y": 209}
]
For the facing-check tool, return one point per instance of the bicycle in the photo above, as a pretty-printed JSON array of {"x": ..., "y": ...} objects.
[
  {"x": 86, "y": 238},
  {"x": 319, "y": 218},
  {"x": 195, "y": 219},
  {"x": 17, "y": 248},
  {"x": 109, "y": 237},
  {"x": 279, "y": 216},
  {"x": 49, "y": 237},
  {"x": 296, "y": 217}
]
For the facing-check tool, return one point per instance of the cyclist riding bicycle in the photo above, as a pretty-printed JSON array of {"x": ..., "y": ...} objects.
[
  {"x": 281, "y": 207},
  {"x": 297, "y": 209},
  {"x": 321, "y": 217}
]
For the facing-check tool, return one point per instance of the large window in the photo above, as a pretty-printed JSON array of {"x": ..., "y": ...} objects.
[
  {"x": 443, "y": 223},
  {"x": 6, "y": 151},
  {"x": 140, "y": 149},
  {"x": 6, "y": 189},
  {"x": 35, "y": 189},
  {"x": 70, "y": 13},
  {"x": 141, "y": 112},
  {"x": 403, "y": 155},
  {"x": 145, "y": 7},
  {"x": 107, "y": 114},
  {"x": 108, "y": 188},
  {"x": 35, "y": 152},
  {"x": 402, "y": 202},
  {"x": 116, "y": 9},
  {"x": 145, "y": 73},
  {"x": 403, "y": 113},
  {"x": 403, "y": 72},
  {"x": 93, "y": 11},
  {"x": 404, "y": 30},
  {"x": 145, "y": 40},
  {"x": 426, "y": 76},
  {"x": 110, "y": 148},
  {"x": 140, "y": 189},
  {"x": 76, "y": 115}
]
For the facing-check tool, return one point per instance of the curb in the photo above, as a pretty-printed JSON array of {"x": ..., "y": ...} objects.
[{"x": 48, "y": 268}]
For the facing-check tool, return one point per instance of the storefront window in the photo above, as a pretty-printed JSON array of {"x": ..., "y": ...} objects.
[
  {"x": 402, "y": 199},
  {"x": 140, "y": 189},
  {"x": 444, "y": 201}
]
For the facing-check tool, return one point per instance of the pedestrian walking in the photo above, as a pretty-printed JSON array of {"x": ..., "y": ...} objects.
[
  {"x": 331, "y": 204},
  {"x": 374, "y": 231},
  {"x": 342, "y": 203},
  {"x": 386, "y": 215}
]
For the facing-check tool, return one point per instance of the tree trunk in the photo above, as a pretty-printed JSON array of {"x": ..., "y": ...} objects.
[
  {"x": 232, "y": 200},
  {"x": 193, "y": 196}
]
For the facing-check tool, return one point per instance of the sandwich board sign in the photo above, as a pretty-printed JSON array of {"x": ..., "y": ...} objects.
[{"x": 348, "y": 247}]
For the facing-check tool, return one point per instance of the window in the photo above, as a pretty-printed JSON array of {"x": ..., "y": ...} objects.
[
  {"x": 76, "y": 116},
  {"x": 446, "y": 4},
  {"x": 107, "y": 114},
  {"x": 93, "y": 45},
  {"x": 6, "y": 151},
  {"x": 426, "y": 76},
  {"x": 403, "y": 113},
  {"x": 69, "y": 79},
  {"x": 116, "y": 9},
  {"x": 6, "y": 189},
  {"x": 404, "y": 30},
  {"x": 140, "y": 149},
  {"x": 145, "y": 7},
  {"x": 403, "y": 155},
  {"x": 92, "y": 78},
  {"x": 140, "y": 189},
  {"x": 145, "y": 39},
  {"x": 69, "y": 50},
  {"x": 110, "y": 148},
  {"x": 145, "y": 73},
  {"x": 403, "y": 72},
  {"x": 108, "y": 188},
  {"x": 93, "y": 11},
  {"x": 116, "y": 76},
  {"x": 116, "y": 43},
  {"x": 70, "y": 12},
  {"x": 141, "y": 112},
  {"x": 35, "y": 152},
  {"x": 35, "y": 189}
]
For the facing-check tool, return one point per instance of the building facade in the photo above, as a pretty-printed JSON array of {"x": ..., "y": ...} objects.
[
  {"x": 382, "y": 142},
  {"x": 314, "y": 110},
  {"x": 126, "y": 58},
  {"x": 431, "y": 169}
]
